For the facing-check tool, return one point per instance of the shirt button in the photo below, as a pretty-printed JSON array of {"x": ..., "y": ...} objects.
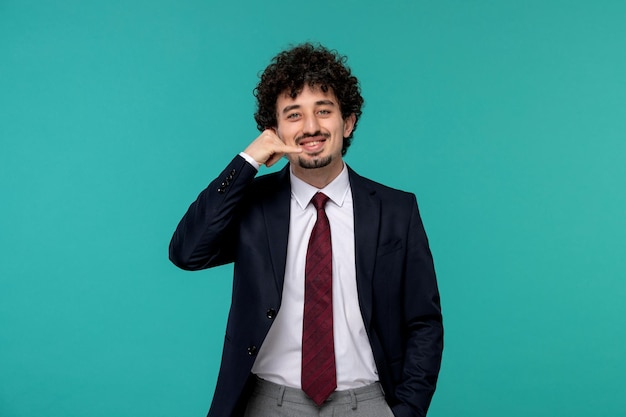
[
  {"x": 252, "y": 350},
  {"x": 271, "y": 313}
]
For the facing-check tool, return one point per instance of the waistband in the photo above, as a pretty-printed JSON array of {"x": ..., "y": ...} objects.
[{"x": 282, "y": 393}]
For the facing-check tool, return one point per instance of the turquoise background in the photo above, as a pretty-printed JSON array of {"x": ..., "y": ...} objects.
[{"x": 507, "y": 119}]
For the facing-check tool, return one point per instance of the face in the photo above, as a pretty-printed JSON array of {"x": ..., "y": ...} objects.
[{"x": 312, "y": 121}]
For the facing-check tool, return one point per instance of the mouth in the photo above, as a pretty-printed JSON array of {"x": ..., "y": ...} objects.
[{"x": 312, "y": 144}]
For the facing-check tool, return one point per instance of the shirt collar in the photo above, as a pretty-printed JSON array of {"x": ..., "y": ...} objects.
[{"x": 336, "y": 190}]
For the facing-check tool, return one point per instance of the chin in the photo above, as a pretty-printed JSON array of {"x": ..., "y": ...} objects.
[{"x": 315, "y": 163}]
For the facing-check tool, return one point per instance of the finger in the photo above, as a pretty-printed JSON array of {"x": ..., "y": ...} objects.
[
  {"x": 289, "y": 149},
  {"x": 270, "y": 133},
  {"x": 273, "y": 159}
]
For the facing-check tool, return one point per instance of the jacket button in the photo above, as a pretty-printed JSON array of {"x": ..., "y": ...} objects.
[
  {"x": 271, "y": 313},
  {"x": 252, "y": 350}
]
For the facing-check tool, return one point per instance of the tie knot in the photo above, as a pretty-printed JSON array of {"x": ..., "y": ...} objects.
[{"x": 319, "y": 200}]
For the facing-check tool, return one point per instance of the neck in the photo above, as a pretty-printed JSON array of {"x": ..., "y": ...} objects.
[{"x": 318, "y": 177}]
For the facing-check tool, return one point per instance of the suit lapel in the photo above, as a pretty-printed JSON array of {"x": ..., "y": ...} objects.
[
  {"x": 366, "y": 224},
  {"x": 276, "y": 209}
]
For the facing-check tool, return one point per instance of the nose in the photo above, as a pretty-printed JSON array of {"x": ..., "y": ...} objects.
[{"x": 311, "y": 124}]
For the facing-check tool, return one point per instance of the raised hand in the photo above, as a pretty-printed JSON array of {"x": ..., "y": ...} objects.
[{"x": 268, "y": 148}]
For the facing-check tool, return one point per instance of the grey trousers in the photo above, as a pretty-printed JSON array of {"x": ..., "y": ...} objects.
[{"x": 272, "y": 400}]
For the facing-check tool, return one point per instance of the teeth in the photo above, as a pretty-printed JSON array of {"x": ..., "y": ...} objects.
[{"x": 317, "y": 142}]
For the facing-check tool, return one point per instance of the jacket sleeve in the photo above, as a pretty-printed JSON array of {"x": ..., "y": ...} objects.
[
  {"x": 423, "y": 326},
  {"x": 206, "y": 235}
]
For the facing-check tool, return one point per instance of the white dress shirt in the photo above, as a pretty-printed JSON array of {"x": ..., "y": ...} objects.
[{"x": 280, "y": 357}]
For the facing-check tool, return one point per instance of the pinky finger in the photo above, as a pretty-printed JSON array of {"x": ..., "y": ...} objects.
[{"x": 273, "y": 159}]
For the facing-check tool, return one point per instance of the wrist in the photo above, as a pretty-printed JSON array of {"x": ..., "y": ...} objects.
[{"x": 250, "y": 160}]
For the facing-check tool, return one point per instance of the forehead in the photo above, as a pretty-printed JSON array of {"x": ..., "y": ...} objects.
[{"x": 307, "y": 96}]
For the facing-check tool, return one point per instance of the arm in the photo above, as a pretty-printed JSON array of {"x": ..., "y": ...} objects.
[
  {"x": 424, "y": 328},
  {"x": 206, "y": 235}
]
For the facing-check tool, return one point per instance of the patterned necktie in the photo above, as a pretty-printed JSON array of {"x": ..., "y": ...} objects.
[{"x": 319, "y": 378}]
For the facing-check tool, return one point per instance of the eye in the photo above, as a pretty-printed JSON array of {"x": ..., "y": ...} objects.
[
  {"x": 293, "y": 116},
  {"x": 324, "y": 112}
]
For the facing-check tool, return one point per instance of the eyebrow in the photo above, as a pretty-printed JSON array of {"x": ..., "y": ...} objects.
[{"x": 317, "y": 103}]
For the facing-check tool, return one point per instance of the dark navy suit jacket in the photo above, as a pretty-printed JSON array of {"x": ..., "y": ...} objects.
[{"x": 244, "y": 219}]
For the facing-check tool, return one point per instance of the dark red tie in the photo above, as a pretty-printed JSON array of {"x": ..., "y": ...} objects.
[{"x": 319, "y": 377}]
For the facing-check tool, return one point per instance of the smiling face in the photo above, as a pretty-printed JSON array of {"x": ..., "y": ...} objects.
[{"x": 312, "y": 121}]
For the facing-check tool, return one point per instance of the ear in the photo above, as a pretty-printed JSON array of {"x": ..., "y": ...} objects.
[{"x": 348, "y": 125}]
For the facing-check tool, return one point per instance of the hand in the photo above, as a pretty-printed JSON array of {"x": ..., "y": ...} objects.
[{"x": 268, "y": 148}]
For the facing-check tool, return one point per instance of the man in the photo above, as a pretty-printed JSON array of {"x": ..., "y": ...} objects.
[{"x": 335, "y": 307}]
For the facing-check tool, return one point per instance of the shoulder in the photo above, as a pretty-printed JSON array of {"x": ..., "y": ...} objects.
[
  {"x": 271, "y": 178},
  {"x": 269, "y": 185},
  {"x": 383, "y": 192}
]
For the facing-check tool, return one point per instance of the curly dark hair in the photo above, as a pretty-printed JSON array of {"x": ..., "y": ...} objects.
[{"x": 315, "y": 66}]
